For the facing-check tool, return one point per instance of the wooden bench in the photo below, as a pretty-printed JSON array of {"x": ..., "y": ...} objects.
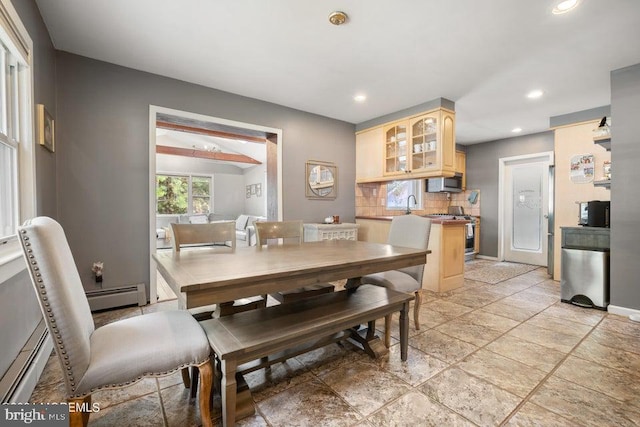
[{"x": 268, "y": 335}]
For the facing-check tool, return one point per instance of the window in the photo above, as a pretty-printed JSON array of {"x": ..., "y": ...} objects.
[
  {"x": 17, "y": 183},
  {"x": 398, "y": 193},
  {"x": 183, "y": 194}
]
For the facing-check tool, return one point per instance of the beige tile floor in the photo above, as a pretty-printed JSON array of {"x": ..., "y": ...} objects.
[{"x": 507, "y": 353}]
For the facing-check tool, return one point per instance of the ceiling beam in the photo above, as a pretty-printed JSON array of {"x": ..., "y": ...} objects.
[
  {"x": 209, "y": 132},
  {"x": 201, "y": 154}
]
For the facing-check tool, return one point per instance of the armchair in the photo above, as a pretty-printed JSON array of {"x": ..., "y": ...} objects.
[{"x": 115, "y": 355}]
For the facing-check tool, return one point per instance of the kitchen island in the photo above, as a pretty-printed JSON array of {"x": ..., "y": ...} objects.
[{"x": 445, "y": 265}]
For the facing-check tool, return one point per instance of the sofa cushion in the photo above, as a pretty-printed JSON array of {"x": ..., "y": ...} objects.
[
  {"x": 199, "y": 219},
  {"x": 241, "y": 222}
]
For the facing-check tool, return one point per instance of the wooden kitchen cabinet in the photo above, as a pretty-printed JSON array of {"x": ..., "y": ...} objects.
[
  {"x": 461, "y": 167},
  {"x": 369, "y": 153},
  {"x": 420, "y": 146},
  {"x": 373, "y": 230},
  {"x": 433, "y": 144},
  {"x": 445, "y": 264},
  {"x": 396, "y": 159}
]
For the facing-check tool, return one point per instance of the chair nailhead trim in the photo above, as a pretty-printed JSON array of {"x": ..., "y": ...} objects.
[{"x": 52, "y": 321}]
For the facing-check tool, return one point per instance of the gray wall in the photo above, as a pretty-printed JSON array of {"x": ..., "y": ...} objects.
[
  {"x": 625, "y": 152},
  {"x": 482, "y": 174},
  {"x": 103, "y": 130},
  {"x": 19, "y": 310},
  {"x": 255, "y": 205}
]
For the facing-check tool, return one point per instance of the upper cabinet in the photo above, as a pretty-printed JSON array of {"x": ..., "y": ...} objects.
[
  {"x": 369, "y": 151},
  {"x": 396, "y": 160},
  {"x": 420, "y": 146}
]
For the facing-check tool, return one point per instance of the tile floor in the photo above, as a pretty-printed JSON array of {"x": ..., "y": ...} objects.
[{"x": 507, "y": 353}]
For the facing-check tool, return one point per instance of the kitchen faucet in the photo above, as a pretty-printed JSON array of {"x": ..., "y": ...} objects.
[{"x": 415, "y": 202}]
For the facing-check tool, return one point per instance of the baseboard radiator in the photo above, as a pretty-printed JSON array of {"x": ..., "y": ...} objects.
[
  {"x": 103, "y": 299},
  {"x": 22, "y": 376}
]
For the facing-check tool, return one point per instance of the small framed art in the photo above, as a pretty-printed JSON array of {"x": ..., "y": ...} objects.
[{"x": 46, "y": 129}]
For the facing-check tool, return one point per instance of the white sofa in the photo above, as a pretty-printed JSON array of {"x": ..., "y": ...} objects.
[{"x": 245, "y": 231}]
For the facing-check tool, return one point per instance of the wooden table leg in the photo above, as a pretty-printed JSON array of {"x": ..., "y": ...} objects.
[
  {"x": 228, "y": 392},
  {"x": 404, "y": 332},
  {"x": 371, "y": 343}
]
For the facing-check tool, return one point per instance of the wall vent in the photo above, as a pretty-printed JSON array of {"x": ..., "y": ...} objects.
[{"x": 117, "y": 297}]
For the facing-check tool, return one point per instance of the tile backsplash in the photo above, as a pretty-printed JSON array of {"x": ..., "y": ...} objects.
[{"x": 371, "y": 201}]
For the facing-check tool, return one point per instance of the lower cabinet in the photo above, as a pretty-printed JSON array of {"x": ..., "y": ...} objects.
[{"x": 445, "y": 264}]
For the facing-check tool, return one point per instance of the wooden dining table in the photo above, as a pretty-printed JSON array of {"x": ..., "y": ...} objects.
[
  {"x": 204, "y": 276},
  {"x": 221, "y": 274}
]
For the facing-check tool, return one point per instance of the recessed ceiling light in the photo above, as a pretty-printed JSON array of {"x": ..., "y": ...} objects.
[
  {"x": 535, "y": 94},
  {"x": 516, "y": 130},
  {"x": 564, "y": 6},
  {"x": 360, "y": 98}
]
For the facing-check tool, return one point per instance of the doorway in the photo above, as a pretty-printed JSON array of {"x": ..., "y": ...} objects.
[
  {"x": 224, "y": 132},
  {"x": 524, "y": 208}
]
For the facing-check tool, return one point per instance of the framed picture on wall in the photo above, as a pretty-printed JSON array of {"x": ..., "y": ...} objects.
[
  {"x": 45, "y": 129},
  {"x": 321, "y": 180}
]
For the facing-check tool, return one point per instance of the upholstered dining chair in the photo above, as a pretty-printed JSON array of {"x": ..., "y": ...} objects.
[
  {"x": 288, "y": 232},
  {"x": 119, "y": 353},
  {"x": 214, "y": 233},
  {"x": 410, "y": 231}
]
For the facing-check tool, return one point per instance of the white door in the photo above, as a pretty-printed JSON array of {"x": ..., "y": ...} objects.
[{"x": 525, "y": 208}]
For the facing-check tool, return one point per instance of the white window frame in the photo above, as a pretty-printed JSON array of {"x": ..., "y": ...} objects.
[
  {"x": 17, "y": 41},
  {"x": 189, "y": 177},
  {"x": 416, "y": 191}
]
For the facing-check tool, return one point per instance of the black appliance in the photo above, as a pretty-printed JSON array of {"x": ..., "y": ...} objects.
[{"x": 595, "y": 213}]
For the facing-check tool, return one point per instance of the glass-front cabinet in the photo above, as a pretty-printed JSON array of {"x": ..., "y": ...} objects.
[
  {"x": 421, "y": 146},
  {"x": 396, "y": 160},
  {"x": 424, "y": 143}
]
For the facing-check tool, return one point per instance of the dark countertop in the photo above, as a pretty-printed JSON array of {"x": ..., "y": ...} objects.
[{"x": 434, "y": 220}]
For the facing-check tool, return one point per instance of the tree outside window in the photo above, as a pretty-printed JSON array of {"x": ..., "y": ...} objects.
[{"x": 183, "y": 194}]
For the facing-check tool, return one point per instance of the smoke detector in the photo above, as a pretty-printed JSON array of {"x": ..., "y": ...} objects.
[{"x": 338, "y": 18}]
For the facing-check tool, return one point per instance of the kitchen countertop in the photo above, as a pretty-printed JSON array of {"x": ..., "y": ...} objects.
[{"x": 434, "y": 219}]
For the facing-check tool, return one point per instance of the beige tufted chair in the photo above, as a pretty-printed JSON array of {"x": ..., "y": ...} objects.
[
  {"x": 117, "y": 354},
  {"x": 410, "y": 231}
]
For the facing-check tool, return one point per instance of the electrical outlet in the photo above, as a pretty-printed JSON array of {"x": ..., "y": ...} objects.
[{"x": 375, "y": 192}]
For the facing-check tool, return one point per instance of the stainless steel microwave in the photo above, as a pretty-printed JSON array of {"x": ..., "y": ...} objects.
[{"x": 445, "y": 185}]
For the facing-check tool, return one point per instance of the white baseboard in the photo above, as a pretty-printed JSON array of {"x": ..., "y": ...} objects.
[
  {"x": 622, "y": 311},
  {"x": 490, "y": 258}
]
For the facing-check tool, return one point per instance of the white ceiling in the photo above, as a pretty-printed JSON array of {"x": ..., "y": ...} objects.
[{"x": 483, "y": 55}]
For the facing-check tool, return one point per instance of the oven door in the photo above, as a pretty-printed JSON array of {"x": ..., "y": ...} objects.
[{"x": 470, "y": 232}]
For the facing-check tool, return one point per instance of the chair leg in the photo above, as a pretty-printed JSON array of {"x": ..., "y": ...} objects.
[
  {"x": 206, "y": 379},
  {"x": 186, "y": 380},
  {"x": 416, "y": 308},
  {"x": 78, "y": 417},
  {"x": 387, "y": 330},
  {"x": 195, "y": 373}
]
